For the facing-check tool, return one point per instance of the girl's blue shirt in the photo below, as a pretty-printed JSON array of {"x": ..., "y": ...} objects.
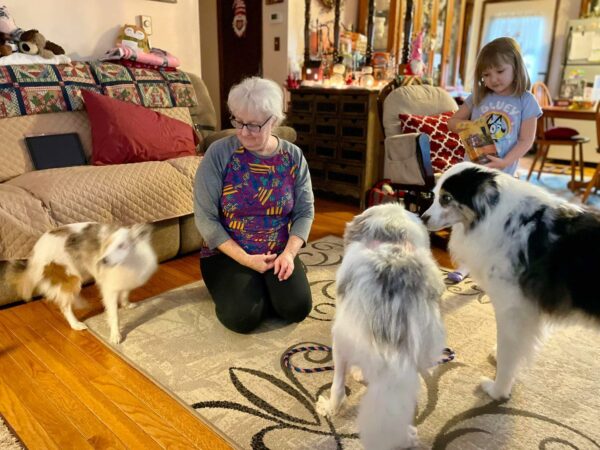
[{"x": 505, "y": 113}]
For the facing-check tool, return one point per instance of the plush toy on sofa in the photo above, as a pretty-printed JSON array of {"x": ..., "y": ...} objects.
[
  {"x": 32, "y": 42},
  {"x": 6, "y": 46},
  {"x": 9, "y": 31}
]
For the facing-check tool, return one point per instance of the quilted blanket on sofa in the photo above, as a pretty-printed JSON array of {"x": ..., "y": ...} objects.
[
  {"x": 46, "y": 88},
  {"x": 38, "y": 201}
]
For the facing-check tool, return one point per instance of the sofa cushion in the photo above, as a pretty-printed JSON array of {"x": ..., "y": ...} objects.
[
  {"x": 446, "y": 148},
  {"x": 127, "y": 133}
]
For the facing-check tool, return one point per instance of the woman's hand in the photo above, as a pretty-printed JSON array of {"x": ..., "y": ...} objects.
[
  {"x": 496, "y": 163},
  {"x": 260, "y": 263},
  {"x": 284, "y": 265}
]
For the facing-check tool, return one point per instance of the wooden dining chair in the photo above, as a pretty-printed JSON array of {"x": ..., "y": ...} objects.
[
  {"x": 595, "y": 181},
  {"x": 547, "y": 134}
]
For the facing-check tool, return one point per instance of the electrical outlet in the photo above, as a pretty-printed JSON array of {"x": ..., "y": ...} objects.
[{"x": 146, "y": 24}]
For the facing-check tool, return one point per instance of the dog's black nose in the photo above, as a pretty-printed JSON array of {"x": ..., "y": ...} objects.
[{"x": 104, "y": 261}]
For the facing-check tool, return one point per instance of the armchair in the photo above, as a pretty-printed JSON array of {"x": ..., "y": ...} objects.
[{"x": 408, "y": 160}]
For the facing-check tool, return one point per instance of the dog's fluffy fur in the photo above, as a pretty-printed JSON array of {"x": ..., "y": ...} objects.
[
  {"x": 534, "y": 254},
  {"x": 387, "y": 322},
  {"x": 118, "y": 258}
]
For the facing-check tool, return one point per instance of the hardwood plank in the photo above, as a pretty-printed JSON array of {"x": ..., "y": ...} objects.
[
  {"x": 158, "y": 401},
  {"x": 60, "y": 394},
  {"x": 127, "y": 430},
  {"x": 62, "y": 432},
  {"x": 30, "y": 431}
]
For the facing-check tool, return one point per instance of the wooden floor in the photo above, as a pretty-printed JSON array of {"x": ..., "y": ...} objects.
[{"x": 62, "y": 389}]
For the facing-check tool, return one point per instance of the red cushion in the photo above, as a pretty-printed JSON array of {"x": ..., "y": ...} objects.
[
  {"x": 560, "y": 133},
  {"x": 446, "y": 148},
  {"x": 126, "y": 133}
]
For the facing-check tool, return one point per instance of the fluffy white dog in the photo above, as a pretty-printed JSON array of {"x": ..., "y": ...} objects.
[
  {"x": 387, "y": 322},
  {"x": 120, "y": 259},
  {"x": 533, "y": 253}
]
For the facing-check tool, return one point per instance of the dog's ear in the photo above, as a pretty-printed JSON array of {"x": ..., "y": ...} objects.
[
  {"x": 141, "y": 231},
  {"x": 486, "y": 197}
]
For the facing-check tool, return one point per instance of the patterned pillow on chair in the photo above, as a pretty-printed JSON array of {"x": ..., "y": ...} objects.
[{"x": 446, "y": 148}]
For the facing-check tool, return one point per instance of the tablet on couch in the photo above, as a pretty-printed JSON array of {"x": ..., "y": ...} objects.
[{"x": 49, "y": 151}]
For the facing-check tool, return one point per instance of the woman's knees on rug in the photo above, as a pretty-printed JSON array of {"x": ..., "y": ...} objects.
[{"x": 241, "y": 319}]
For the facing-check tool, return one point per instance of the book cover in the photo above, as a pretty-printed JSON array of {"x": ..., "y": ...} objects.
[{"x": 477, "y": 139}]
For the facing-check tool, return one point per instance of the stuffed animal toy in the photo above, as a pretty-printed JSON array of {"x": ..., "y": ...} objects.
[
  {"x": 32, "y": 42},
  {"x": 9, "y": 32},
  {"x": 133, "y": 37},
  {"x": 5, "y": 44}
]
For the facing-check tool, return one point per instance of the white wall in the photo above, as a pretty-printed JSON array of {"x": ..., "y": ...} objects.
[{"x": 87, "y": 28}]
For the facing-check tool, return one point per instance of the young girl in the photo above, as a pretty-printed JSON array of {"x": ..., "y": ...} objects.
[{"x": 501, "y": 94}]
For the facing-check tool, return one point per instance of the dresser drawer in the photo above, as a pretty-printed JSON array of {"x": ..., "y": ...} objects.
[
  {"x": 317, "y": 173},
  {"x": 326, "y": 127},
  {"x": 353, "y": 129},
  {"x": 352, "y": 152},
  {"x": 326, "y": 104},
  {"x": 325, "y": 149},
  {"x": 354, "y": 105},
  {"x": 302, "y": 103},
  {"x": 302, "y": 123},
  {"x": 344, "y": 174}
]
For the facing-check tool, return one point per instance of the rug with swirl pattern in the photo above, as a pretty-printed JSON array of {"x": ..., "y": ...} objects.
[{"x": 242, "y": 386}]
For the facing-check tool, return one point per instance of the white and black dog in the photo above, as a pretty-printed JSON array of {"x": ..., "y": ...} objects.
[
  {"x": 119, "y": 259},
  {"x": 535, "y": 255},
  {"x": 387, "y": 322}
]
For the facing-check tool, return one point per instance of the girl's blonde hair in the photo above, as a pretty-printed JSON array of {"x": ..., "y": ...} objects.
[{"x": 504, "y": 50}]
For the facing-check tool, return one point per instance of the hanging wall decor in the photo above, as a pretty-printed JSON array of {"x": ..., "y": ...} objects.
[{"x": 239, "y": 17}]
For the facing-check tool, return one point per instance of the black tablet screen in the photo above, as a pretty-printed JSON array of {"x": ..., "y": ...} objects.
[{"x": 49, "y": 151}]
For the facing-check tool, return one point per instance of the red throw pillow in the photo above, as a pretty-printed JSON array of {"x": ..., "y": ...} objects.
[
  {"x": 126, "y": 133},
  {"x": 560, "y": 133},
  {"x": 446, "y": 148}
]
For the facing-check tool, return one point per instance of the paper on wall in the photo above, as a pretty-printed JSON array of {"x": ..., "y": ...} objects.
[{"x": 581, "y": 46}]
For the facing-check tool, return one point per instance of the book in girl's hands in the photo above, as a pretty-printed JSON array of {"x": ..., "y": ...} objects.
[{"x": 477, "y": 139}]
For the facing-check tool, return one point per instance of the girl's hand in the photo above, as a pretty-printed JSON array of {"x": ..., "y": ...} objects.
[
  {"x": 463, "y": 124},
  {"x": 284, "y": 266},
  {"x": 496, "y": 163},
  {"x": 260, "y": 263}
]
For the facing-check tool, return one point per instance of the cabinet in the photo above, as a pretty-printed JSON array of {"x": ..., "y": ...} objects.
[{"x": 339, "y": 133}]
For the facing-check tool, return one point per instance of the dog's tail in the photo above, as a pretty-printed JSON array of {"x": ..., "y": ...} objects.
[
  {"x": 19, "y": 277},
  {"x": 395, "y": 292}
]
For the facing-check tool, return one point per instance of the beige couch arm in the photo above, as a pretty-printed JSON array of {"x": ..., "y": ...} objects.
[
  {"x": 283, "y": 132},
  {"x": 402, "y": 163}
]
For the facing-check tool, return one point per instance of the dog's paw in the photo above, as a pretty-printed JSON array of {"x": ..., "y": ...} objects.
[
  {"x": 413, "y": 437},
  {"x": 129, "y": 305},
  {"x": 79, "y": 326},
  {"x": 490, "y": 388},
  {"x": 115, "y": 338},
  {"x": 325, "y": 406},
  {"x": 357, "y": 374}
]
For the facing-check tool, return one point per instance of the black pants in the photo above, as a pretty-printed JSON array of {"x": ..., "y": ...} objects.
[{"x": 243, "y": 296}]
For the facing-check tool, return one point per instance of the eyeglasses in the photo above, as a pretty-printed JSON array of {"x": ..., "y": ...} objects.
[{"x": 251, "y": 127}]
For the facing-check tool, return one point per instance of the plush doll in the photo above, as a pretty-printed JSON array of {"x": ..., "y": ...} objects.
[
  {"x": 133, "y": 37},
  {"x": 5, "y": 44},
  {"x": 9, "y": 32},
  {"x": 32, "y": 42}
]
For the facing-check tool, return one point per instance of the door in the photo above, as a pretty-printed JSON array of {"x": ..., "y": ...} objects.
[{"x": 240, "y": 53}]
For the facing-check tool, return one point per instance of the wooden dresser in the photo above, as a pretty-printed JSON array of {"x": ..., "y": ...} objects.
[{"x": 339, "y": 133}]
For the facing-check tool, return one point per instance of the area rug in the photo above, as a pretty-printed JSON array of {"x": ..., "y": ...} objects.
[
  {"x": 557, "y": 184},
  {"x": 242, "y": 386},
  {"x": 8, "y": 439}
]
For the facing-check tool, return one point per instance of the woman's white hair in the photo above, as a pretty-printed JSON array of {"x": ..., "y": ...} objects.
[{"x": 257, "y": 96}]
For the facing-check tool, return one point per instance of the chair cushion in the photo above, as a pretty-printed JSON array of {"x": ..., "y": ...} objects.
[
  {"x": 126, "y": 133},
  {"x": 446, "y": 148},
  {"x": 558, "y": 133}
]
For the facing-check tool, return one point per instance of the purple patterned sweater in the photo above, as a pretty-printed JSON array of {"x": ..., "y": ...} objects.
[{"x": 260, "y": 200}]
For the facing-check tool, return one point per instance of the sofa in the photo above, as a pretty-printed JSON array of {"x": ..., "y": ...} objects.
[{"x": 159, "y": 192}]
